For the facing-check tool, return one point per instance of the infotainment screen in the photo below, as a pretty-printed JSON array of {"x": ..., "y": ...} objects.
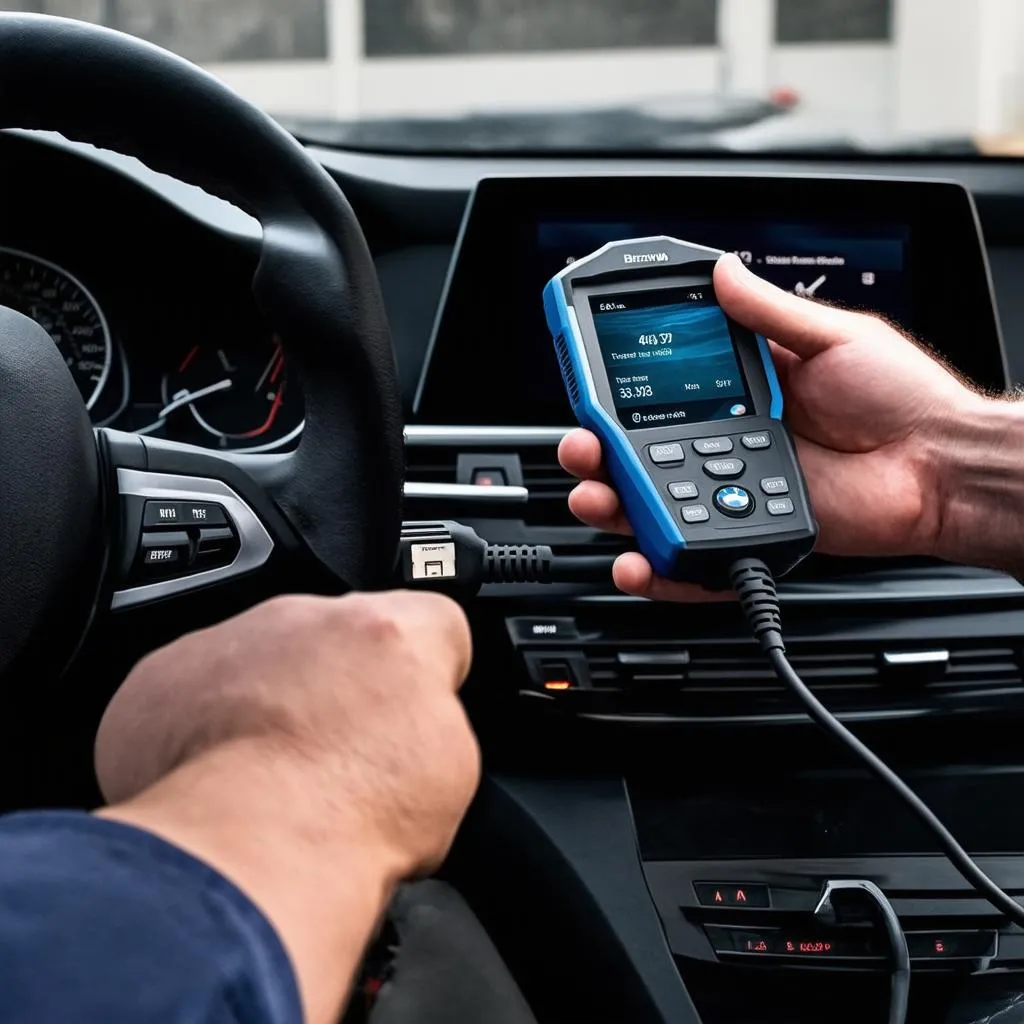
[
  {"x": 885, "y": 246},
  {"x": 860, "y": 265}
]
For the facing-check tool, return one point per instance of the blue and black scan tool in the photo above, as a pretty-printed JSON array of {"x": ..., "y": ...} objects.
[{"x": 687, "y": 406}]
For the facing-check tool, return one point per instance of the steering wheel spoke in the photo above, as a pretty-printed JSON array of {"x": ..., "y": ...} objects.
[{"x": 185, "y": 519}]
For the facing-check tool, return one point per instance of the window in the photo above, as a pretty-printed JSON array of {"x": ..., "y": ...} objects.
[
  {"x": 206, "y": 30},
  {"x": 416, "y": 27},
  {"x": 833, "y": 21}
]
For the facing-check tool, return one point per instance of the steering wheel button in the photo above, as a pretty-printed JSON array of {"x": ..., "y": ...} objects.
[
  {"x": 735, "y": 502},
  {"x": 713, "y": 446},
  {"x": 662, "y": 454},
  {"x": 164, "y": 552},
  {"x": 215, "y": 539},
  {"x": 724, "y": 469},
  {"x": 162, "y": 556},
  {"x": 184, "y": 513},
  {"x": 773, "y": 485},
  {"x": 217, "y": 546},
  {"x": 162, "y": 513}
]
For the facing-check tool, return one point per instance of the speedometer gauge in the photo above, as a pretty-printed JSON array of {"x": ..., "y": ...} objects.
[{"x": 62, "y": 305}]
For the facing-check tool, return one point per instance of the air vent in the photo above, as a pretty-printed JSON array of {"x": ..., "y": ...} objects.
[
  {"x": 565, "y": 365},
  {"x": 548, "y": 484},
  {"x": 431, "y": 464},
  {"x": 734, "y": 683}
]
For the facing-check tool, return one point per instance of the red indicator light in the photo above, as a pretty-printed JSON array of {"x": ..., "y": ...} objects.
[
  {"x": 790, "y": 947},
  {"x": 741, "y": 896},
  {"x": 718, "y": 896},
  {"x": 760, "y": 946},
  {"x": 940, "y": 946}
]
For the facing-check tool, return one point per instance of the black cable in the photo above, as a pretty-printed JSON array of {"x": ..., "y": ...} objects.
[
  {"x": 756, "y": 591},
  {"x": 868, "y": 896},
  {"x": 537, "y": 563}
]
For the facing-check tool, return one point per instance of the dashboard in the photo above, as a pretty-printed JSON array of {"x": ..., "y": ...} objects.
[{"x": 638, "y": 756}]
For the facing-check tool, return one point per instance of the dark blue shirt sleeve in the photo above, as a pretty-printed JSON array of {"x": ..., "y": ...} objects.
[{"x": 105, "y": 923}]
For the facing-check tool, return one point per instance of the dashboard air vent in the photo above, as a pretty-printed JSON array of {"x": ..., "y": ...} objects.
[
  {"x": 732, "y": 683},
  {"x": 431, "y": 464},
  {"x": 545, "y": 480},
  {"x": 549, "y": 486}
]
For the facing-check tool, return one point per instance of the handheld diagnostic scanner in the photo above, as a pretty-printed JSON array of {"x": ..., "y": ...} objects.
[{"x": 687, "y": 406}]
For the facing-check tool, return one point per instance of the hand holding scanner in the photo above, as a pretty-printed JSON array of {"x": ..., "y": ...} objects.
[{"x": 687, "y": 406}]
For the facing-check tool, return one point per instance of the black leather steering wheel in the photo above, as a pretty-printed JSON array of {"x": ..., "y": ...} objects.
[{"x": 71, "y": 497}]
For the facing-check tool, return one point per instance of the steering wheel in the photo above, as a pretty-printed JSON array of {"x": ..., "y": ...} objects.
[{"x": 96, "y": 519}]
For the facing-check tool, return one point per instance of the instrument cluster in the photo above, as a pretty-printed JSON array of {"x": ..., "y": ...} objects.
[{"x": 216, "y": 389}]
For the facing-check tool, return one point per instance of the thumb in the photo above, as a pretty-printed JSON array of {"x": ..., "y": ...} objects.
[{"x": 803, "y": 326}]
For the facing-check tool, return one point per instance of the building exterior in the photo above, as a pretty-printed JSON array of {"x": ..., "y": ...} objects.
[{"x": 874, "y": 68}]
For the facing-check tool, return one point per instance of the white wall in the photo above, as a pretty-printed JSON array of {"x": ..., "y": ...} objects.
[
  {"x": 1001, "y": 67},
  {"x": 936, "y": 80},
  {"x": 959, "y": 66},
  {"x": 427, "y": 85},
  {"x": 843, "y": 87},
  {"x": 284, "y": 87},
  {"x": 954, "y": 66}
]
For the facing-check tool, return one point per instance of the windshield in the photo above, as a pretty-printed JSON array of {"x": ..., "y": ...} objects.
[{"x": 630, "y": 75}]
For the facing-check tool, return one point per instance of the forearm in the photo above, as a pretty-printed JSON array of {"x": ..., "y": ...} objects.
[
  {"x": 270, "y": 824},
  {"x": 979, "y": 479}
]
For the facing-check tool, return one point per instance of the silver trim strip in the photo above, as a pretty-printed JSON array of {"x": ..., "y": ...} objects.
[
  {"x": 442, "y": 435},
  {"x": 467, "y": 492},
  {"x": 255, "y": 544},
  {"x": 915, "y": 657}
]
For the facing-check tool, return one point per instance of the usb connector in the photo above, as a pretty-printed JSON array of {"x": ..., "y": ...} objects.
[{"x": 453, "y": 558}]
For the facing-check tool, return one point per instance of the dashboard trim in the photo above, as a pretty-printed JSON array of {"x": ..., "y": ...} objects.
[
  {"x": 255, "y": 543},
  {"x": 443, "y": 435},
  {"x": 477, "y": 493}
]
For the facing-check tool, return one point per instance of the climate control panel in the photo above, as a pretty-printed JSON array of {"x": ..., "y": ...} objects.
[{"x": 751, "y": 913}]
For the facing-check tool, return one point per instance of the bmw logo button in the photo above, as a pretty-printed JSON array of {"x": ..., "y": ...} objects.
[{"x": 734, "y": 501}]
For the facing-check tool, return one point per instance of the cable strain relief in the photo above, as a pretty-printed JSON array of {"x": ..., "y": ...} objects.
[
  {"x": 759, "y": 600},
  {"x": 517, "y": 563}
]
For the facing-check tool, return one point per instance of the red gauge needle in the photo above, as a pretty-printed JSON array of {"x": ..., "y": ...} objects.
[
  {"x": 272, "y": 369},
  {"x": 271, "y": 416},
  {"x": 192, "y": 353},
  {"x": 278, "y": 367}
]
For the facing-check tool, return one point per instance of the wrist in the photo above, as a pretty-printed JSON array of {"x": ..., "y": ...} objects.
[
  {"x": 976, "y": 462},
  {"x": 280, "y": 828}
]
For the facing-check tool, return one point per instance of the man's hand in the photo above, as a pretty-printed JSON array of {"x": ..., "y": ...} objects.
[
  {"x": 314, "y": 750},
  {"x": 878, "y": 424}
]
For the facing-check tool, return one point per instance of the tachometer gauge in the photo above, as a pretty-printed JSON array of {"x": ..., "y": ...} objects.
[
  {"x": 231, "y": 397},
  {"x": 63, "y": 306}
]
